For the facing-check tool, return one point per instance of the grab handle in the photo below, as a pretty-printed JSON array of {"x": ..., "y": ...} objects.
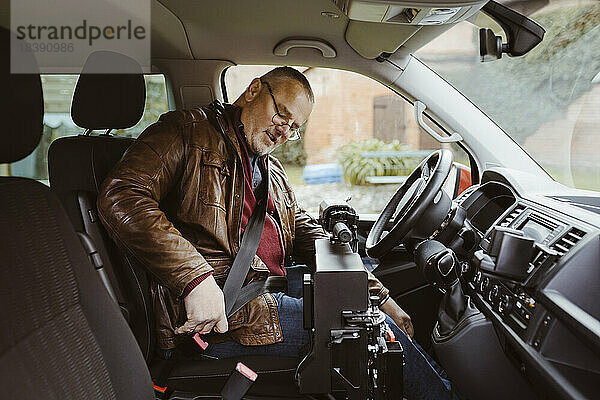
[
  {"x": 285, "y": 45},
  {"x": 419, "y": 109}
]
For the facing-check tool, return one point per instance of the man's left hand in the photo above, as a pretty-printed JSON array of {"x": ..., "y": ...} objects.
[{"x": 397, "y": 314}]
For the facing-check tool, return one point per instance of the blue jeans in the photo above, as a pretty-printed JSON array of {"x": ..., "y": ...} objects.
[{"x": 422, "y": 376}]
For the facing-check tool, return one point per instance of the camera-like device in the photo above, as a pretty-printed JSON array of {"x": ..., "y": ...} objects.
[{"x": 340, "y": 220}]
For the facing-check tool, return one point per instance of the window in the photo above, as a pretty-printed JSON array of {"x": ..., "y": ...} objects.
[
  {"x": 361, "y": 139},
  {"x": 547, "y": 100},
  {"x": 389, "y": 120},
  {"x": 58, "y": 94}
]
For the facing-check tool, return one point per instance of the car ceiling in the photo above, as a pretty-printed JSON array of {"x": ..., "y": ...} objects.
[{"x": 246, "y": 32}]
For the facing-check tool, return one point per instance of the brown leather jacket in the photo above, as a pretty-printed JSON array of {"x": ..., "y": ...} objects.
[{"x": 174, "y": 202}]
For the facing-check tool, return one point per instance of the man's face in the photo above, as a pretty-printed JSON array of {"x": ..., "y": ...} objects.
[{"x": 257, "y": 114}]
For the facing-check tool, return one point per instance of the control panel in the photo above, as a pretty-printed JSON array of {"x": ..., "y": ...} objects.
[{"x": 514, "y": 305}]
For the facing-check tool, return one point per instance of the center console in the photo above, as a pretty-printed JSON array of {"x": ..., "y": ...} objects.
[
  {"x": 528, "y": 268},
  {"x": 512, "y": 261}
]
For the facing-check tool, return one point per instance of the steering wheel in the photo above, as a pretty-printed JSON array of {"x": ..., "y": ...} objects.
[{"x": 409, "y": 203}]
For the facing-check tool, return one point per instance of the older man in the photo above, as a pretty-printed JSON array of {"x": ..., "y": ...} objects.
[{"x": 179, "y": 202}]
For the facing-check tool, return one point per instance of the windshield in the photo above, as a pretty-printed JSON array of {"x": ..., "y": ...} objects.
[{"x": 548, "y": 101}]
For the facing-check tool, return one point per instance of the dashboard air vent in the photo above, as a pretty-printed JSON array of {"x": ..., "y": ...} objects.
[
  {"x": 570, "y": 239},
  {"x": 513, "y": 214},
  {"x": 466, "y": 193},
  {"x": 538, "y": 259}
]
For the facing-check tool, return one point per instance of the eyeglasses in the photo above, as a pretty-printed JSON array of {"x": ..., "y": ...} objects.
[{"x": 284, "y": 121}]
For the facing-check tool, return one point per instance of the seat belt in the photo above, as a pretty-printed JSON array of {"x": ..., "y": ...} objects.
[
  {"x": 241, "y": 264},
  {"x": 235, "y": 295}
]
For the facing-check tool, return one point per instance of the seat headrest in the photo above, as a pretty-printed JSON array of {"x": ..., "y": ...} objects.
[
  {"x": 23, "y": 106},
  {"x": 110, "y": 92}
]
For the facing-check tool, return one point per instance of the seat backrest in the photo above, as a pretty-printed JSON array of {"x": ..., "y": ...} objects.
[
  {"x": 61, "y": 335},
  {"x": 77, "y": 165}
]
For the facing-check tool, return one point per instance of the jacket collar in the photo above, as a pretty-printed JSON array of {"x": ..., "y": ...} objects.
[{"x": 229, "y": 116}]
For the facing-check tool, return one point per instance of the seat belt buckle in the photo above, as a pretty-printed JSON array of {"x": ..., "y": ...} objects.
[
  {"x": 159, "y": 391},
  {"x": 199, "y": 341},
  {"x": 239, "y": 382}
]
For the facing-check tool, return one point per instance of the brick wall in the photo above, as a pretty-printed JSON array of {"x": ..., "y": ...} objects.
[{"x": 345, "y": 112}]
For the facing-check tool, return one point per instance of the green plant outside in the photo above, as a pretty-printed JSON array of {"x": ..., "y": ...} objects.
[
  {"x": 291, "y": 153},
  {"x": 357, "y": 168}
]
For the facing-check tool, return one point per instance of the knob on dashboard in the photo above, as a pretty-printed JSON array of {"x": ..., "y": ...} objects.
[
  {"x": 504, "y": 304},
  {"x": 485, "y": 283},
  {"x": 478, "y": 276},
  {"x": 493, "y": 293}
]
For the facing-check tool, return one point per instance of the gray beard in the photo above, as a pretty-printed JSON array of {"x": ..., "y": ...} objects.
[{"x": 254, "y": 148}]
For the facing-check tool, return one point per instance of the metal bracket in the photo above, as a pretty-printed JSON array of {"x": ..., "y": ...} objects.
[
  {"x": 419, "y": 110},
  {"x": 339, "y": 335}
]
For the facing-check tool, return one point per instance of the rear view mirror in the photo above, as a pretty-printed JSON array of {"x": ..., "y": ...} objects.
[
  {"x": 522, "y": 34},
  {"x": 490, "y": 45}
]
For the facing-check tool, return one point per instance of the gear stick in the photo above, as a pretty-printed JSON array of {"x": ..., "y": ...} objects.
[{"x": 440, "y": 268}]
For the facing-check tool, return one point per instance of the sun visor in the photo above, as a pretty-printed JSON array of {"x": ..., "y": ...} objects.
[
  {"x": 382, "y": 26},
  {"x": 371, "y": 39}
]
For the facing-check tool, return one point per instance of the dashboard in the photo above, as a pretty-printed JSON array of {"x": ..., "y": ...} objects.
[{"x": 531, "y": 265}]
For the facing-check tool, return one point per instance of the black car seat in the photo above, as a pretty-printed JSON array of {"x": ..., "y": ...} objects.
[
  {"x": 77, "y": 167},
  {"x": 61, "y": 335},
  {"x": 78, "y": 164}
]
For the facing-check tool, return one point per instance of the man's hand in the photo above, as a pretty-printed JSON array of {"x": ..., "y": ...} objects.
[
  {"x": 401, "y": 318},
  {"x": 205, "y": 309}
]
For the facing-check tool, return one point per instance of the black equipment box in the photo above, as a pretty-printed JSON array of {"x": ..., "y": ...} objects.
[{"x": 338, "y": 284}]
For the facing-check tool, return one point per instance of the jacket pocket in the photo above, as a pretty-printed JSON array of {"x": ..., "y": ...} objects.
[
  {"x": 285, "y": 203},
  {"x": 213, "y": 179},
  {"x": 283, "y": 193}
]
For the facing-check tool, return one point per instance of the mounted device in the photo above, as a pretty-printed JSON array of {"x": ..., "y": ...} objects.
[
  {"x": 522, "y": 33},
  {"x": 340, "y": 221},
  {"x": 352, "y": 348}
]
